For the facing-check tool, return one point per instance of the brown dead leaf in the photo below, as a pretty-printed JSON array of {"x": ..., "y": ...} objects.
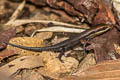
[
  {"x": 104, "y": 15},
  {"x": 108, "y": 70},
  {"x": 25, "y": 62},
  {"x": 64, "y": 5},
  {"x": 3, "y": 76},
  {"x": 111, "y": 65},
  {"x": 86, "y": 63},
  {"x": 38, "y": 2},
  {"x": 63, "y": 16},
  {"x": 6, "y": 35},
  {"x": 107, "y": 3},
  {"x": 60, "y": 6},
  {"x": 6, "y": 53},
  {"x": 104, "y": 45},
  {"x": 29, "y": 75},
  {"x": 54, "y": 68},
  {"x": 43, "y": 35},
  {"x": 91, "y": 9}
]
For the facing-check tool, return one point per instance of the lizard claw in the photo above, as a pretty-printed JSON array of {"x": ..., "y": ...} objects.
[{"x": 60, "y": 56}]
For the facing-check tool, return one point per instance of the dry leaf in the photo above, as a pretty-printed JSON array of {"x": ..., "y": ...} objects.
[
  {"x": 54, "y": 68},
  {"x": 104, "y": 15},
  {"x": 108, "y": 70},
  {"x": 86, "y": 63},
  {"x": 25, "y": 62},
  {"x": 103, "y": 45},
  {"x": 6, "y": 35},
  {"x": 6, "y": 53}
]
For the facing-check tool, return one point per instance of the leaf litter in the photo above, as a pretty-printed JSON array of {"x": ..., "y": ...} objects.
[{"x": 76, "y": 13}]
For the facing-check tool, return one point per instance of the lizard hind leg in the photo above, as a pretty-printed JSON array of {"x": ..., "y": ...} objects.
[
  {"x": 62, "y": 51},
  {"x": 84, "y": 46}
]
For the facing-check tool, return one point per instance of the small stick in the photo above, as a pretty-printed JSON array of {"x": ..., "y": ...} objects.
[
  {"x": 58, "y": 29},
  {"x": 21, "y": 22},
  {"x": 16, "y": 13}
]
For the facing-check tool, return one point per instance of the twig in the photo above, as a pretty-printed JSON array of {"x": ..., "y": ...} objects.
[
  {"x": 21, "y": 22},
  {"x": 16, "y": 13},
  {"x": 58, "y": 29}
]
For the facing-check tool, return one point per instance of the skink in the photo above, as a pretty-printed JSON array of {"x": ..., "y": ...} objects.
[{"x": 69, "y": 43}]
